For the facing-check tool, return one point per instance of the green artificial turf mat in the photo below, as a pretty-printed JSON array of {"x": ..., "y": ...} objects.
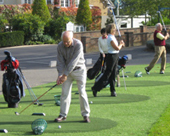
[
  {"x": 107, "y": 99},
  {"x": 22, "y": 123},
  {"x": 132, "y": 112},
  {"x": 145, "y": 83}
]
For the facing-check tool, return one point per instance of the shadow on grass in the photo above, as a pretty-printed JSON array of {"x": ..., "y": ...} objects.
[
  {"x": 107, "y": 99},
  {"x": 74, "y": 124},
  {"x": 145, "y": 83},
  {"x": 137, "y": 83}
]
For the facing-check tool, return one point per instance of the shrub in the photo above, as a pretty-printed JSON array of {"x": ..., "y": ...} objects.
[
  {"x": 46, "y": 39},
  {"x": 3, "y": 23},
  {"x": 11, "y": 38},
  {"x": 96, "y": 18},
  {"x": 55, "y": 27},
  {"x": 32, "y": 25}
]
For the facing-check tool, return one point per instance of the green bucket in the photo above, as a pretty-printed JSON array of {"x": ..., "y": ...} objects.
[
  {"x": 38, "y": 126},
  {"x": 57, "y": 99}
]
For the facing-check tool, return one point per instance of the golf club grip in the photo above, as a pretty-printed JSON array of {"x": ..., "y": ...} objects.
[
  {"x": 38, "y": 98},
  {"x": 102, "y": 63}
]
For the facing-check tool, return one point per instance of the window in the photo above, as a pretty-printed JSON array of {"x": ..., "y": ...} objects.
[
  {"x": 28, "y": 1},
  {"x": 1, "y": 1},
  {"x": 49, "y": 2},
  {"x": 65, "y": 3},
  {"x": 79, "y": 28},
  {"x": 77, "y": 2}
]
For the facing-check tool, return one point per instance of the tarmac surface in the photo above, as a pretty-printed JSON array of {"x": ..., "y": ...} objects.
[{"x": 39, "y": 76}]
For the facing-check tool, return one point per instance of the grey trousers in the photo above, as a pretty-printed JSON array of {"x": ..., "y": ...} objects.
[{"x": 79, "y": 76}]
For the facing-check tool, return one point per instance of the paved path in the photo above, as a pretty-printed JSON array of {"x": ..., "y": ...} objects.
[{"x": 41, "y": 76}]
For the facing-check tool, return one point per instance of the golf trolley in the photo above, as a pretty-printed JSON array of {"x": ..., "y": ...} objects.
[{"x": 12, "y": 86}]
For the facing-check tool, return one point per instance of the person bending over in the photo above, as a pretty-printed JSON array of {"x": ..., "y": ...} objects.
[{"x": 71, "y": 66}]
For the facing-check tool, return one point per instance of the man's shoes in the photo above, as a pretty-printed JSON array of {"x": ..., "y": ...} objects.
[
  {"x": 113, "y": 94},
  {"x": 162, "y": 72},
  {"x": 94, "y": 93},
  {"x": 60, "y": 118},
  {"x": 147, "y": 71},
  {"x": 86, "y": 119}
]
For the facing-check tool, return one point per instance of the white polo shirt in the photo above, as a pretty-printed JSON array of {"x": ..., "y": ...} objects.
[
  {"x": 111, "y": 50},
  {"x": 102, "y": 44}
]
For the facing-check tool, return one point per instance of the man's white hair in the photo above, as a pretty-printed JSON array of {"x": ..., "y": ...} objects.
[
  {"x": 70, "y": 34},
  {"x": 158, "y": 24}
]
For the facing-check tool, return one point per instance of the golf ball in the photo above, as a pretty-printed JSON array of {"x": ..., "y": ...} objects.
[
  {"x": 59, "y": 126},
  {"x": 16, "y": 113},
  {"x": 91, "y": 102}
]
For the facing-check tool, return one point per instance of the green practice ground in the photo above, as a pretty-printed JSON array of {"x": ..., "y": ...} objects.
[{"x": 134, "y": 112}]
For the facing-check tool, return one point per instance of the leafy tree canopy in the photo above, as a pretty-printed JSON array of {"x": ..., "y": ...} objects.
[
  {"x": 84, "y": 15},
  {"x": 40, "y": 8}
]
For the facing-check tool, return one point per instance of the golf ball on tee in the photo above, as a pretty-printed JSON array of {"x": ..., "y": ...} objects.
[
  {"x": 59, "y": 126},
  {"x": 91, "y": 102}
]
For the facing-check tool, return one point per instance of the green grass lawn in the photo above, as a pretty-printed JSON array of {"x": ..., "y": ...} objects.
[{"x": 140, "y": 110}]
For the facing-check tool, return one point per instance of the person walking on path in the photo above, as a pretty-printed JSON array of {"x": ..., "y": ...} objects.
[
  {"x": 71, "y": 66},
  {"x": 160, "y": 49},
  {"x": 111, "y": 62}
]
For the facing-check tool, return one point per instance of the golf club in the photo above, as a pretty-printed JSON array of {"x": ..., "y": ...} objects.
[
  {"x": 161, "y": 19},
  {"x": 32, "y": 95},
  {"x": 18, "y": 113},
  {"x": 110, "y": 2},
  {"x": 124, "y": 79},
  {"x": 116, "y": 22}
]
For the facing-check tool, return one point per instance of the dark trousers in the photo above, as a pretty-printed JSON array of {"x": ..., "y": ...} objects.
[{"x": 109, "y": 74}]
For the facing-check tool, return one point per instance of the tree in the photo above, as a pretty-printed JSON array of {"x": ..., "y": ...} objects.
[
  {"x": 55, "y": 27},
  {"x": 32, "y": 25},
  {"x": 142, "y": 7},
  {"x": 84, "y": 15},
  {"x": 40, "y": 8},
  {"x": 109, "y": 20}
]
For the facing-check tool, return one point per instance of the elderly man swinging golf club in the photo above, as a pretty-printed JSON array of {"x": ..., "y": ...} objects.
[
  {"x": 71, "y": 66},
  {"x": 160, "y": 49}
]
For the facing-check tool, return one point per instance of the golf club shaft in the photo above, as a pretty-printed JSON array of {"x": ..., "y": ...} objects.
[
  {"x": 116, "y": 23},
  {"x": 124, "y": 79},
  {"x": 162, "y": 20},
  {"x": 32, "y": 95},
  {"x": 110, "y": 2},
  {"x": 37, "y": 98}
]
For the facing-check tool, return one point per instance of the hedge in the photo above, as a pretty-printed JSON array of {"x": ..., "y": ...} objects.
[{"x": 11, "y": 38}]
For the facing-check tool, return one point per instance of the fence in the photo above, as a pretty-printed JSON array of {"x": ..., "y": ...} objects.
[{"x": 131, "y": 37}]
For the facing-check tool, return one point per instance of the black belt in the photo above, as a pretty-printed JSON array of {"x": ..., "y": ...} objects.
[{"x": 76, "y": 68}]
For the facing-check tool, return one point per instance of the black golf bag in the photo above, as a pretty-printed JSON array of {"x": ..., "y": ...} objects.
[
  {"x": 12, "y": 86},
  {"x": 95, "y": 70},
  {"x": 122, "y": 61}
]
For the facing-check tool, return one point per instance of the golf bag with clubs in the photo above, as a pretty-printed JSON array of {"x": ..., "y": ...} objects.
[
  {"x": 122, "y": 62},
  {"x": 95, "y": 70},
  {"x": 121, "y": 65},
  {"x": 12, "y": 86}
]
